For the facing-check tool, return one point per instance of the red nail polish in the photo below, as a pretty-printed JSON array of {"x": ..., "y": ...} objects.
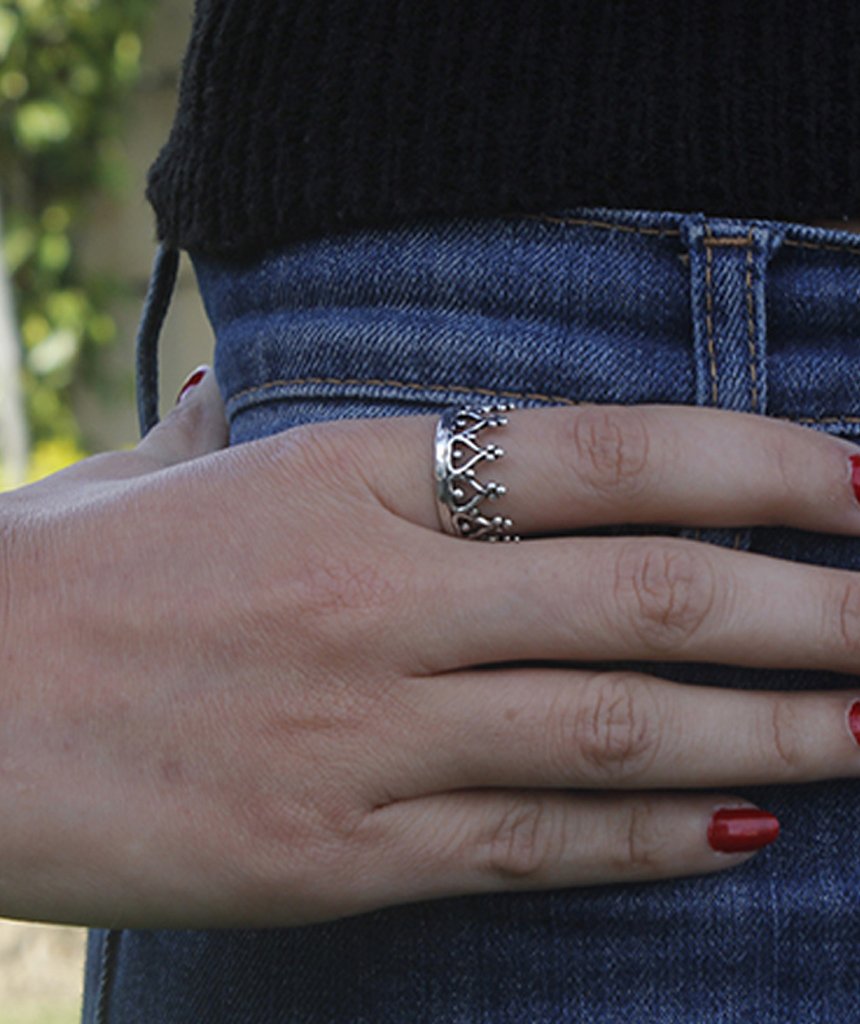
[
  {"x": 854, "y": 719},
  {"x": 855, "y": 474},
  {"x": 740, "y": 829},
  {"x": 192, "y": 381}
]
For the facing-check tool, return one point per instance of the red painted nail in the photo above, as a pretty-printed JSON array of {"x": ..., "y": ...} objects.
[
  {"x": 854, "y": 719},
  {"x": 855, "y": 474},
  {"x": 739, "y": 829},
  {"x": 191, "y": 381}
]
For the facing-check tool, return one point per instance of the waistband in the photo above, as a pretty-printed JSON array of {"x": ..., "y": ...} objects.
[{"x": 691, "y": 230}]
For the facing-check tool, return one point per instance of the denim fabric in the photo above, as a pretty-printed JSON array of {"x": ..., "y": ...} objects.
[{"x": 558, "y": 307}]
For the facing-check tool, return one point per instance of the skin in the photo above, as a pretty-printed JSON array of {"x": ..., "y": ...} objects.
[{"x": 259, "y": 687}]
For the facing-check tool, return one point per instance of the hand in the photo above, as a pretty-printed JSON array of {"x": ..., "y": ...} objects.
[{"x": 259, "y": 687}]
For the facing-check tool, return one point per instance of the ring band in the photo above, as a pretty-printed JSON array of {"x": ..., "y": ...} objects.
[{"x": 459, "y": 492}]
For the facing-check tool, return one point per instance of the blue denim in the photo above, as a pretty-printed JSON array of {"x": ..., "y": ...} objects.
[{"x": 558, "y": 307}]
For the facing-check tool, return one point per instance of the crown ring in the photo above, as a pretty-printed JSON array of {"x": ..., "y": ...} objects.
[{"x": 459, "y": 492}]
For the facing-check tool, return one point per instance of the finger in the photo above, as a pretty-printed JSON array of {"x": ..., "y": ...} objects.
[
  {"x": 566, "y": 468},
  {"x": 453, "y": 844},
  {"x": 196, "y": 425},
  {"x": 541, "y": 727},
  {"x": 663, "y": 598}
]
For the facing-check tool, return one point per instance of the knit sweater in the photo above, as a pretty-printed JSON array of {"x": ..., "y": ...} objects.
[{"x": 302, "y": 117}]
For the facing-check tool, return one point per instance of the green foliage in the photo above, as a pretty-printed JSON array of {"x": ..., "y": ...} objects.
[{"x": 66, "y": 68}]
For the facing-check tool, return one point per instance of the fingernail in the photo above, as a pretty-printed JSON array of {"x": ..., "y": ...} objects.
[
  {"x": 855, "y": 474},
  {"x": 739, "y": 829},
  {"x": 854, "y": 720},
  {"x": 191, "y": 381}
]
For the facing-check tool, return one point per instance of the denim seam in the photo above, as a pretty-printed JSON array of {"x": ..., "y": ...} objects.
[
  {"x": 751, "y": 325},
  {"x": 709, "y": 327},
  {"x": 417, "y": 386},
  {"x": 748, "y": 243},
  {"x": 709, "y": 318},
  {"x": 709, "y": 242},
  {"x": 750, "y": 342},
  {"x": 844, "y": 247},
  {"x": 581, "y": 222},
  {"x": 824, "y": 419},
  {"x": 411, "y": 385},
  {"x": 108, "y": 966}
]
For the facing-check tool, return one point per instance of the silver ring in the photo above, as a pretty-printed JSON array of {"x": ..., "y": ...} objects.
[{"x": 459, "y": 492}]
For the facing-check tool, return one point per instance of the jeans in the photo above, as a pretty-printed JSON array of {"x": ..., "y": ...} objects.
[{"x": 557, "y": 307}]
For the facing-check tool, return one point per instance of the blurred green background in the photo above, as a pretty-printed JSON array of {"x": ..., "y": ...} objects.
[{"x": 87, "y": 96}]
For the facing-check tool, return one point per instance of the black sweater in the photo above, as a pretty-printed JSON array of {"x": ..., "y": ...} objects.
[{"x": 300, "y": 117}]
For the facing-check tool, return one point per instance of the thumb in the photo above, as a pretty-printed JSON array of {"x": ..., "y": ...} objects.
[{"x": 196, "y": 425}]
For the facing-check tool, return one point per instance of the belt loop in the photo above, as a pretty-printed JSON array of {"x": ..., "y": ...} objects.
[
  {"x": 728, "y": 266},
  {"x": 161, "y": 284}
]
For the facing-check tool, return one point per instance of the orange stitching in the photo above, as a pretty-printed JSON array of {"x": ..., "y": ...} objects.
[
  {"x": 728, "y": 240},
  {"x": 411, "y": 385},
  {"x": 846, "y": 247},
  {"x": 751, "y": 325},
  {"x": 821, "y": 419},
  {"x": 750, "y": 342},
  {"x": 581, "y": 222},
  {"x": 486, "y": 391},
  {"x": 709, "y": 319},
  {"x": 709, "y": 242}
]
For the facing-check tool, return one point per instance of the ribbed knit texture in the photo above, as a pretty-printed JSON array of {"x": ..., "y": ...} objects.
[{"x": 300, "y": 117}]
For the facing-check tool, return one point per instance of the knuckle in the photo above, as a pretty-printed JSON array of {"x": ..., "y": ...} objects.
[
  {"x": 356, "y": 610},
  {"x": 616, "y": 728},
  {"x": 667, "y": 591},
  {"x": 519, "y": 843},
  {"x": 346, "y": 585},
  {"x": 781, "y": 454},
  {"x": 176, "y": 435},
  {"x": 783, "y": 735},
  {"x": 780, "y": 443},
  {"x": 339, "y": 570},
  {"x": 608, "y": 446},
  {"x": 641, "y": 842},
  {"x": 330, "y": 619},
  {"x": 329, "y": 454},
  {"x": 350, "y": 825},
  {"x": 787, "y": 449},
  {"x": 848, "y": 616},
  {"x": 303, "y": 845},
  {"x": 269, "y": 825}
]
